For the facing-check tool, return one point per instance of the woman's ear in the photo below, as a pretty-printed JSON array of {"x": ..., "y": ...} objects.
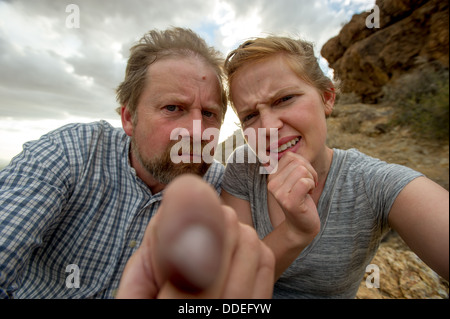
[
  {"x": 127, "y": 120},
  {"x": 329, "y": 97}
]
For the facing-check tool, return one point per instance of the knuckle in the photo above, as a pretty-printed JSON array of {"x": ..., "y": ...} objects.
[
  {"x": 267, "y": 257},
  {"x": 249, "y": 237},
  {"x": 230, "y": 215},
  {"x": 273, "y": 186}
]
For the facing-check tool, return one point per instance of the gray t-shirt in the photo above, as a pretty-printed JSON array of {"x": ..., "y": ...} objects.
[{"x": 353, "y": 209}]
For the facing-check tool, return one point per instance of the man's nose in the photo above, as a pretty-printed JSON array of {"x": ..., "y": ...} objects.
[{"x": 194, "y": 125}]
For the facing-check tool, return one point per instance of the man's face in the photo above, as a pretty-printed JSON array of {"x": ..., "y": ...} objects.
[{"x": 177, "y": 92}]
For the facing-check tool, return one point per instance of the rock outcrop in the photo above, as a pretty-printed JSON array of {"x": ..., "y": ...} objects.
[
  {"x": 402, "y": 275},
  {"x": 410, "y": 33}
]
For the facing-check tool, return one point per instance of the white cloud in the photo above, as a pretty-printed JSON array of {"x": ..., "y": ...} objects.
[
  {"x": 53, "y": 73},
  {"x": 235, "y": 28}
]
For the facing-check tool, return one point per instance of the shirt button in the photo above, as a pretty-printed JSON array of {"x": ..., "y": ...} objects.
[{"x": 132, "y": 244}]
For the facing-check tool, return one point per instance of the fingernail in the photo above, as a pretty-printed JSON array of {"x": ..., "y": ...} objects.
[{"x": 194, "y": 253}]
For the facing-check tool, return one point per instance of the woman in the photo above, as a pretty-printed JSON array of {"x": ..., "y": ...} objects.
[{"x": 322, "y": 211}]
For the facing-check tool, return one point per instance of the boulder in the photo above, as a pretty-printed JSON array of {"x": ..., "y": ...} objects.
[
  {"x": 402, "y": 275},
  {"x": 410, "y": 33}
]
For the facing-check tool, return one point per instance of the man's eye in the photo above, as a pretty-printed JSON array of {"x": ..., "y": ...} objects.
[
  {"x": 208, "y": 113},
  {"x": 171, "y": 108}
]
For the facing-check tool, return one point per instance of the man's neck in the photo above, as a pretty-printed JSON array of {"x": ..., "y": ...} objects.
[{"x": 154, "y": 185}]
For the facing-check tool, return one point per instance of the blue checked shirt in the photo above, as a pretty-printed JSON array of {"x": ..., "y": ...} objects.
[{"x": 72, "y": 212}]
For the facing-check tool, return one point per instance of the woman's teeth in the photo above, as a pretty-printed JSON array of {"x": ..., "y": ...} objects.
[{"x": 288, "y": 144}]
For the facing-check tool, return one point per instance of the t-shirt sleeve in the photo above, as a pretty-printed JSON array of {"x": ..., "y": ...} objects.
[
  {"x": 383, "y": 182},
  {"x": 236, "y": 177}
]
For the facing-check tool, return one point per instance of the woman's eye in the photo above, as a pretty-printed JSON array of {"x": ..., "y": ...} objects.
[
  {"x": 248, "y": 118},
  {"x": 284, "y": 99}
]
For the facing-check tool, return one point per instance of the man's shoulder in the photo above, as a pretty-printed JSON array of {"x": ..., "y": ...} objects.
[
  {"x": 215, "y": 171},
  {"x": 80, "y": 141},
  {"x": 214, "y": 175},
  {"x": 86, "y": 131},
  {"x": 79, "y": 128}
]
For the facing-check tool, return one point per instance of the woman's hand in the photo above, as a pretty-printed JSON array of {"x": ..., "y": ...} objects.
[{"x": 292, "y": 185}]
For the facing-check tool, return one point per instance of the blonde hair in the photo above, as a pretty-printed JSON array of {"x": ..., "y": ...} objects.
[
  {"x": 158, "y": 44},
  {"x": 299, "y": 56}
]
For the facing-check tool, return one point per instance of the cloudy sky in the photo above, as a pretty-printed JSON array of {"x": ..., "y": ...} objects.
[{"x": 54, "y": 72}]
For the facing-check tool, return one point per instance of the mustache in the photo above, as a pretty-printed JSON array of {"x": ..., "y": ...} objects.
[
  {"x": 187, "y": 150},
  {"x": 189, "y": 146}
]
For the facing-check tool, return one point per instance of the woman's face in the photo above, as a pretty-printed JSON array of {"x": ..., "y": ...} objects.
[{"x": 268, "y": 94}]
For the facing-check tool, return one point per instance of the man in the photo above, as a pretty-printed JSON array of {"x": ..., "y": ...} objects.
[
  {"x": 75, "y": 204},
  {"x": 183, "y": 84}
]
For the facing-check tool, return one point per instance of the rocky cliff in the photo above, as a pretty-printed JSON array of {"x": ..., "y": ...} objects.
[{"x": 410, "y": 33}]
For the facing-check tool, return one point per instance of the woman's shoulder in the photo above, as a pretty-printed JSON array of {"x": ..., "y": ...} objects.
[
  {"x": 242, "y": 155},
  {"x": 355, "y": 158},
  {"x": 356, "y": 162}
]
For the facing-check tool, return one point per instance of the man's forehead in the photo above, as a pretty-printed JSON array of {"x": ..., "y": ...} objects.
[
  {"x": 175, "y": 61},
  {"x": 182, "y": 70}
]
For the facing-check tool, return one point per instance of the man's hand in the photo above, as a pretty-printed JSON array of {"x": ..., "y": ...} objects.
[{"x": 195, "y": 248}]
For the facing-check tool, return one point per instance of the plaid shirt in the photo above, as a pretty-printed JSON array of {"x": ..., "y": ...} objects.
[{"x": 72, "y": 212}]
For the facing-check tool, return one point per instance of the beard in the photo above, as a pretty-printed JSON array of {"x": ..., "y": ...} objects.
[{"x": 163, "y": 169}]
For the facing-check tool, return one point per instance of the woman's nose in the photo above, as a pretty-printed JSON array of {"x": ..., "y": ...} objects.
[{"x": 269, "y": 119}]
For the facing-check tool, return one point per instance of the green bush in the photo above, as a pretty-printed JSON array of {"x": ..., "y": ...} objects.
[{"x": 421, "y": 100}]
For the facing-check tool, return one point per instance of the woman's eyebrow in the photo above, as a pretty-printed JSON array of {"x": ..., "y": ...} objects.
[{"x": 283, "y": 91}]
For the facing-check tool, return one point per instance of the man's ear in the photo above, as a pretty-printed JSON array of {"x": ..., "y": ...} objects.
[
  {"x": 127, "y": 120},
  {"x": 329, "y": 97}
]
